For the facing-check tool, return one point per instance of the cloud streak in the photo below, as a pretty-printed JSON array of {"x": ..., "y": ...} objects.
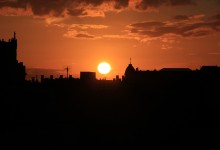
[
  {"x": 79, "y": 35},
  {"x": 194, "y": 26},
  {"x": 183, "y": 26},
  {"x": 80, "y": 31}
]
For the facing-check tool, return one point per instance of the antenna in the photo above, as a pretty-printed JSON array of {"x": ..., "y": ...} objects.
[
  {"x": 67, "y": 72},
  {"x": 130, "y": 60},
  {"x": 14, "y": 35}
]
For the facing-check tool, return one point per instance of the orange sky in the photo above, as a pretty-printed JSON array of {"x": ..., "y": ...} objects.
[{"x": 82, "y": 33}]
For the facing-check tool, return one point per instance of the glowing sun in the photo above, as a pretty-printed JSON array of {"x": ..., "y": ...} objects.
[{"x": 104, "y": 68}]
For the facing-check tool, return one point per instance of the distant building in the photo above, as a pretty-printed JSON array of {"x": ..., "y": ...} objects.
[
  {"x": 12, "y": 70},
  {"x": 176, "y": 69},
  {"x": 87, "y": 76},
  {"x": 210, "y": 72},
  {"x": 117, "y": 79},
  {"x": 139, "y": 76},
  {"x": 210, "y": 69}
]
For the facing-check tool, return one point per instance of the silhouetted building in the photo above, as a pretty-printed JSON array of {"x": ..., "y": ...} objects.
[
  {"x": 176, "y": 69},
  {"x": 87, "y": 76},
  {"x": 211, "y": 69},
  {"x": 61, "y": 77},
  {"x": 117, "y": 79},
  {"x": 130, "y": 71},
  {"x": 138, "y": 76},
  {"x": 42, "y": 78},
  {"x": 51, "y": 77},
  {"x": 13, "y": 71}
]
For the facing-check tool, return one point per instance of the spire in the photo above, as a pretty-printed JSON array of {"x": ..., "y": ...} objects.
[
  {"x": 14, "y": 35},
  {"x": 130, "y": 60},
  {"x": 67, "y": 72}
]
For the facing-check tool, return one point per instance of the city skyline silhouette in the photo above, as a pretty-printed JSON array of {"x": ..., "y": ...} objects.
[
  {"x": 159, "y": 107},
  {"x": 110, "y": 73},
  {"x": 10, "y": 50}
]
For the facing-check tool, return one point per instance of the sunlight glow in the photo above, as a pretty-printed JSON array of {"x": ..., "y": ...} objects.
[{"x": 104, "y": 68}]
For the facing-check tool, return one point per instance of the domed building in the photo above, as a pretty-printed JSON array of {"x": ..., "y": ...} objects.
[
  {"x": 135, "y": 76},
  {"x": 129, "y": 72}
]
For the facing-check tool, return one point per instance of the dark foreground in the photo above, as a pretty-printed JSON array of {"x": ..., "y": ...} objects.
[{"x": 168, "y": 114}]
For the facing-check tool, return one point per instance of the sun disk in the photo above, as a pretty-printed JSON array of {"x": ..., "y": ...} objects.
[{"x": 104, "y": 68}]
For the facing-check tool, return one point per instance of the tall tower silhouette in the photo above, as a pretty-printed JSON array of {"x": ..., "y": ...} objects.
[{"x": 13, "y": 71}]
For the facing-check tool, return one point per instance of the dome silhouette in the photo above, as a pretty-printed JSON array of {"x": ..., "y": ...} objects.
[{"x": 129, "y": 70}]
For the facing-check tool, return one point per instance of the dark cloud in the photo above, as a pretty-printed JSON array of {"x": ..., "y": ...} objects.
[
  {"x": 118, "y": 3},
  {"x": 147, "y": 25},
  {"x": 59, "y": 8},
  {"x": 181, "y": 17},
  {"x": 146, "y": 4},
  {"x": 79, "y": 34},
  {"x": 76, "y": 12},
  {"x": 13, "y": 3},
  {"x": 181, "y": 2},
  {"x": 39, "y": 8},
  {"x": 193, "y": 26},
  {"x": 216, "y": 17},
  {"x": 84, "y": 36},
  {"x": 121, "y": 4},
  {"x": 218, "y": 1}
]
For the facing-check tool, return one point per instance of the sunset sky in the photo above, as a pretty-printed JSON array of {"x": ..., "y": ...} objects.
[{"x": 53, "y": 34}]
